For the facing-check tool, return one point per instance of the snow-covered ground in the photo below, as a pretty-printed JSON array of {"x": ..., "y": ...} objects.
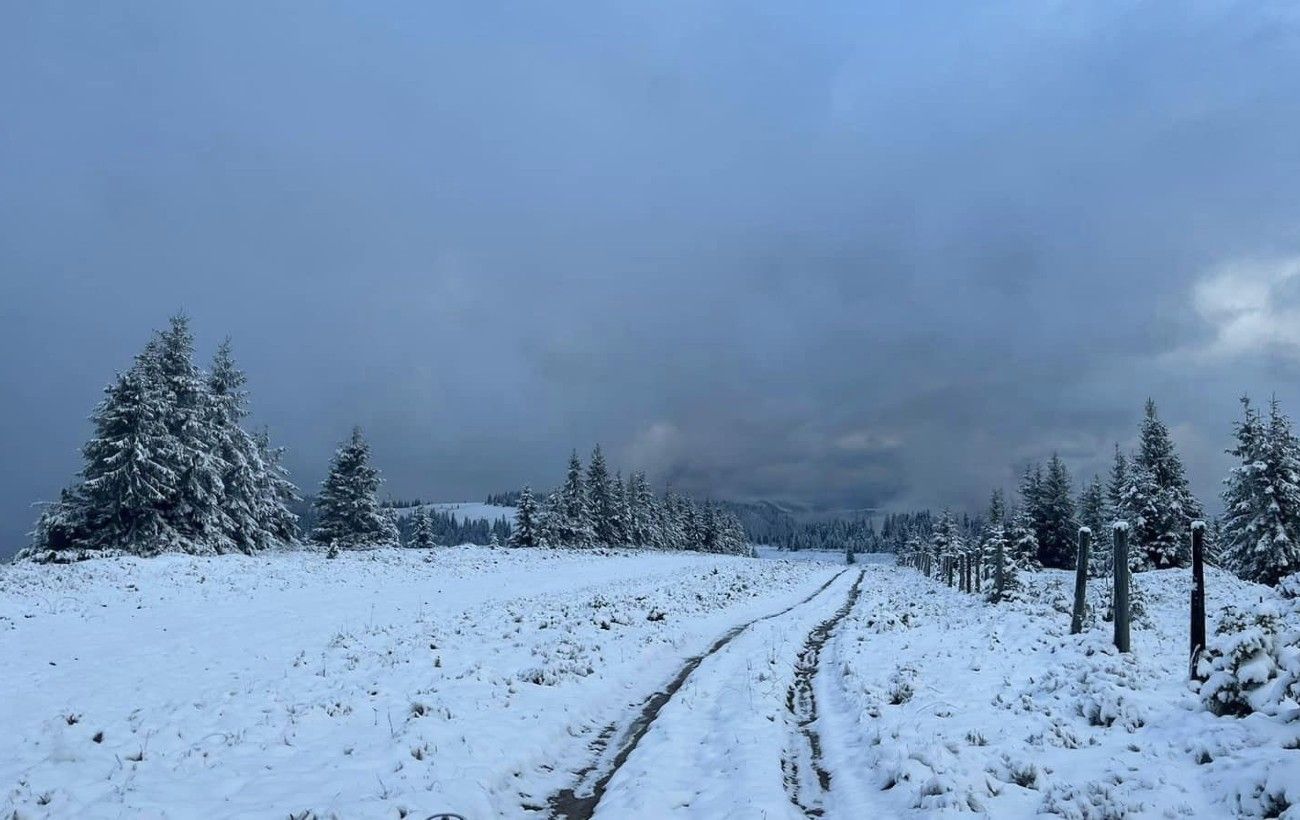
[
  {"x": 939, "y": 705},
  {"x": 374, "y": 684},
  {"x": 536, "y": 683}
]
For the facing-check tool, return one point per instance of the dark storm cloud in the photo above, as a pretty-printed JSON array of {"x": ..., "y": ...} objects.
[{"x": 850, "y": 255}]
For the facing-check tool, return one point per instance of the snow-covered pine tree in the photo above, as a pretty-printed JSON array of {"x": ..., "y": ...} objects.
[
  {"x": 392, "y": 530},
  {"x": 1031, "y": 486},
  {"x": 421, "y": 536},
  {"x": 1057, "y": 527},
  {"x": 572, "y": 525},
  {"x": 994, "y": 519},
  {"x": 191, "y": 447},
  {"x": 1092, "y": 514},
  {"x": 240, "y": 506},
  {"x": 1262, "y": 497},
  {"x": 643, "y": 517},
  {"x": 731, "y": 534},
  {"x": 618, "y": 511},
  {"x": 652, "y": 532},
  {"x": 349, "y": 514},
  {"x": 1142, "y": 503},
  {"x": 707, "y": 540},
  {"x": 1116, "y": 486},
  {"x": 525, "y": 532},
  {"x": 62, "y": 532},
  {"x": 275, "y": 492},
  {"x": 1022, "y": 542},
  {"x": 635, "y": 511},
  {"x": 550, "y": 521},
  {"x": 169, "y": 467},
  {"x": 1001, "y": 571},
  {"x": 689, "y": 516},
  {"x": 945, "y": 547},
  {"x": 601, "y": 501},
  {"x": 672, "y": 522},
  {"x": 1161, "y": 497},
  {"x": 1214, "y": 550},
  {"x": 127, "y": 486}
]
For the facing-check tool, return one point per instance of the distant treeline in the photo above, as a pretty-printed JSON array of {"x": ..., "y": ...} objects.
[{"x": 447, "y": 528}]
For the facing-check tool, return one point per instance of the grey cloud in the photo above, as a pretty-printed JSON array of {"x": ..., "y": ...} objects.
[{"x": 965, "y": 236}]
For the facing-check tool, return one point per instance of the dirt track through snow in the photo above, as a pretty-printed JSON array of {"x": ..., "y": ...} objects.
[
  {"x": 803, "y": 755},
  {"x": 580, "y": 801}
]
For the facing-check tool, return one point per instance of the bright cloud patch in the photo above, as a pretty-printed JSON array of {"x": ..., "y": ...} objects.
[{"x": 1252, "y": 307}]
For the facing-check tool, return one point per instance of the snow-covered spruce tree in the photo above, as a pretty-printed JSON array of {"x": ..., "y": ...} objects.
[
  {"x": 573, "y": 519},
  {"x": 994, "y": 519},
  {"x": 672, "y": 532},
  {"x": 1159, "y": 495},
  {"x": 1116, "y": 485},
  {"x": 62, "y": 533},
  {"x": 275, "y": 493},
  {"x": 169, "y": 466},
  {"x": 422, "y": 535},
  {"x": 237, "y": 508},
  {"x": 1262, "y": 497},
  {"x": 636, "y": 511},
  {"x": 945, "y": 546},
  {"x": 707, "y": 540},
  {"x": 525, "y": 532},
  {"x": 601, "y": 501},
  {"x": 1001, "y": 571},
  {"x": 1092, "y": 514},
  {"x": 1057, "y": 527},
  {"x": 689, "y": 516},
  {"x": 191, "y": 447},
  {"x": 1022, "y": 542},
  {"x": 392, "y": 529},
  {"x": 550, "y": 517},
  {"x": 731, "y": 534},
  {"x": 255, "y": 490},
  {"x": 124, "y": 499},
  {"x": 1031, "y": 486},
  {"x": 349, "y": 514},
  {"x": 1214, "y": 549},
  {"x": 619, "y": 511}
]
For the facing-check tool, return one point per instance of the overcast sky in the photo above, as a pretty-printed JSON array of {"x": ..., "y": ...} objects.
[{"x": 845, "y": 254}]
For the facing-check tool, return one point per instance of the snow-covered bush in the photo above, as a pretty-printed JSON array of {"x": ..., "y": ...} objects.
[
  {"x": 1252, "y": 664},
  {"x": 1289, "y": 588}
]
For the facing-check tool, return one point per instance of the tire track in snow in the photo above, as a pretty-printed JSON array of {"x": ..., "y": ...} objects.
[
  {"x": 580, "y": 801},
  {"x": 803, "y": 755}
]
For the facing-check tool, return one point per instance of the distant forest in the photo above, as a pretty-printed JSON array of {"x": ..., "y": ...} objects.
[
  {"x": 770, "y": 524},
  {"x": 449, "y": 529}
]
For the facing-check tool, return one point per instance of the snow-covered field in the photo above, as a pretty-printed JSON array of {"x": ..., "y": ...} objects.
[
  {"x": 942, "y": 706},
  {"x": 535, "y": 683},
  {"x": 371, "y": 685}
]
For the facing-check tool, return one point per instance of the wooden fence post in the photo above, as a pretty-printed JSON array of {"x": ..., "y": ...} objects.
[
  {"x": 1081, "y": 581},
  {"x": 1122, "y": 613},
  {"x": 1198, "y": 594}
]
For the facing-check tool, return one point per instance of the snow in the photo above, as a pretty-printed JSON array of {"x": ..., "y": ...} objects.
[
  {"x": 364, "y": 685},
  {"x": 1004, "y": 713},
  {"x": 485, "y": 681}
]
